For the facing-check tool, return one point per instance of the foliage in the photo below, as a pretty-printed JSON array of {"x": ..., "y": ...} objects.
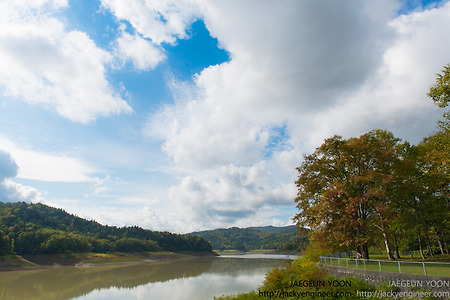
[
  {"x": 135, "y": 245},
  {"x": 255, "y": 238},
  {"x": 374, "y": 191},
  {"x": 440, "y": 91},
  {"x": 38, "y": 228},
  {"x": 315, "y": 282},
  {"x": 314, "y": 251},
  {"x": 5, "y": 244},
  {"x": 342, "y": 189}
]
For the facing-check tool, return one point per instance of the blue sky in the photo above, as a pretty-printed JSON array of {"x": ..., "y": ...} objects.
[{"x": 193, "y": 114}]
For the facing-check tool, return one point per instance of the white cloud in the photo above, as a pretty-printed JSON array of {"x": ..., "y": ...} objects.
[
  {"x": 8, "y": 167},
  {"x": 48, "y": 166},
  {"x": 143, "y": 54},
  {"x": 319, "y": 68},
  {"x": 43, "y": 63},
  {"x": 161, "y": 21},
  {"x": 395, "y": 96},
  {"x": 312, "y": 68},
  {"x": 9, "y": 190},
  {"x": 242, "y": 196}
]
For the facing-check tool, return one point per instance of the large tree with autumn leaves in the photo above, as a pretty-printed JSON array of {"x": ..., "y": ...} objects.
[
  {"x": 355, "y": 192},
  {"x": 344, "y": 190}
]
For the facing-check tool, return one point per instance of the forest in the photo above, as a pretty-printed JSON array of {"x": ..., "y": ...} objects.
[
  {"x": 38, "y": 229},
  {"x": 255, "y": 238},
  {"x": 379, "y": 192}
]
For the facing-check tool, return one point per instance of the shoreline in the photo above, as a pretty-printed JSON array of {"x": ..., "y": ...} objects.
[
  {"x": 263, "y": 251},
  {"x": 87, "y": 260}
]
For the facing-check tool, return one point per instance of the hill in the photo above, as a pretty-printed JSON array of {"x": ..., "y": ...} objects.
[
  {"x": 37, "y": 228},
  {"x": 255, "y": 238}
]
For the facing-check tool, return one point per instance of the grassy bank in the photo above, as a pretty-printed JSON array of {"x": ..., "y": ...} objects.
[
  {"x": 435, "y": 258},
  {"x": 15, "y": 262},
  {"x": 437, "y": 266}
]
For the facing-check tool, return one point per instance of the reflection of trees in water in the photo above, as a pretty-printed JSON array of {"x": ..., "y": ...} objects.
[
  {"x": 71, "y": 282},
  {"x": 237, "y": 266}
]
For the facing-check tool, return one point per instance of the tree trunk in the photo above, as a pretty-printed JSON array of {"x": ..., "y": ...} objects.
[
  {"x": 396, "y": 251},
  {"x": 427, "y": 239},
  {"x": 386, "y": 241},
  {"x": 441, "y": 247},
  {"x": 420, "y": 245},
  {"x": 420, "y": 238},
  {"x": 365, "y": 251},
  {"x": 388, "y": 248}
]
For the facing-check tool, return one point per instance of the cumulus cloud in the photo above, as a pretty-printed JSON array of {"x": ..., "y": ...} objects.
[
  {"x": 298, "y": 73},
  {"x": 8, "y": 167},
  {"x": 395, "y": 96},
  {"x": 161, "y": 21},
  {"x": 47, "y": 166},
  {"x": 44, "y": 63},
  {"x": 143, "y": 54},
  {"x": 9, "y": 190}
]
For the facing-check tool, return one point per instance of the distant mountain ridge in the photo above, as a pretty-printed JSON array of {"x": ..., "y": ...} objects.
[
  {"x": 273, "y": 228},
  {"x": 255, "y": 238}
]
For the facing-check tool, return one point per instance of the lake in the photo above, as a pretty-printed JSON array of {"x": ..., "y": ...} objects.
[{"x": 201, "y": 278}]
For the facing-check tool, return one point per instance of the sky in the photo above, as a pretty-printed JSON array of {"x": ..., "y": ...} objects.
[{"x": 187, "y": 115}]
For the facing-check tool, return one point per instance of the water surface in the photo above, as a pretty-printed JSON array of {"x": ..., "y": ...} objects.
[{"x": 186, "y": 279}]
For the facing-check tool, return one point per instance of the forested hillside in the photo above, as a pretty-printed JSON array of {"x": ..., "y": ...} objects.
[
  {"x": 37, "y": 228},
  {"x": 254, "y": 238}
]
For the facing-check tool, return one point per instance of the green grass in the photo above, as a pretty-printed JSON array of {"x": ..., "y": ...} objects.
[
  {"x": 13, "y": 261},
  {"x": 435, "y": 258},
  {"x": 392, "y": 266}
]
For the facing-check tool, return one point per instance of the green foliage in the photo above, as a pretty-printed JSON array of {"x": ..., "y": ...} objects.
[
  {"x": 314, "y": 251},
  {"x": 440, "y": 91},
  {"x": 63, "y": 242},
  {"x": 314, "y": 281},
  {"x": 255, "y": 238},
  {"x": 343, "y": 190},
  {"x": 38, "y": 228},
  {"x": 101, "y": 245},
  {"x": 440, "y": 94},
  {"x": 5, "y": 244},
  {"x": 135, "y": 245},
  {"x": 374, "y": 191}
]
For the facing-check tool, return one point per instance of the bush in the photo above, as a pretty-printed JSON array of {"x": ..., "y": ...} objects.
[{"x": 316, "y": 282}]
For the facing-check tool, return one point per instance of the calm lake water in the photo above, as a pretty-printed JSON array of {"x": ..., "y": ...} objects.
[{"x": 189, "y": 279}]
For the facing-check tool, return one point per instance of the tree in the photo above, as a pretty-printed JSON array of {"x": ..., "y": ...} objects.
[
  {"x": 5, "y": 244},
  {"x": 440, "y": 91},
  {"x": 437, "y": 158},
  {"x": 343, "y": 191}
]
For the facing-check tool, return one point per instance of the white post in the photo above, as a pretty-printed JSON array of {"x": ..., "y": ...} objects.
[
  {"x": 399, "y": 268},
  {"x": 379, "y": 264},
  {"x": 424, "y": 268}
]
